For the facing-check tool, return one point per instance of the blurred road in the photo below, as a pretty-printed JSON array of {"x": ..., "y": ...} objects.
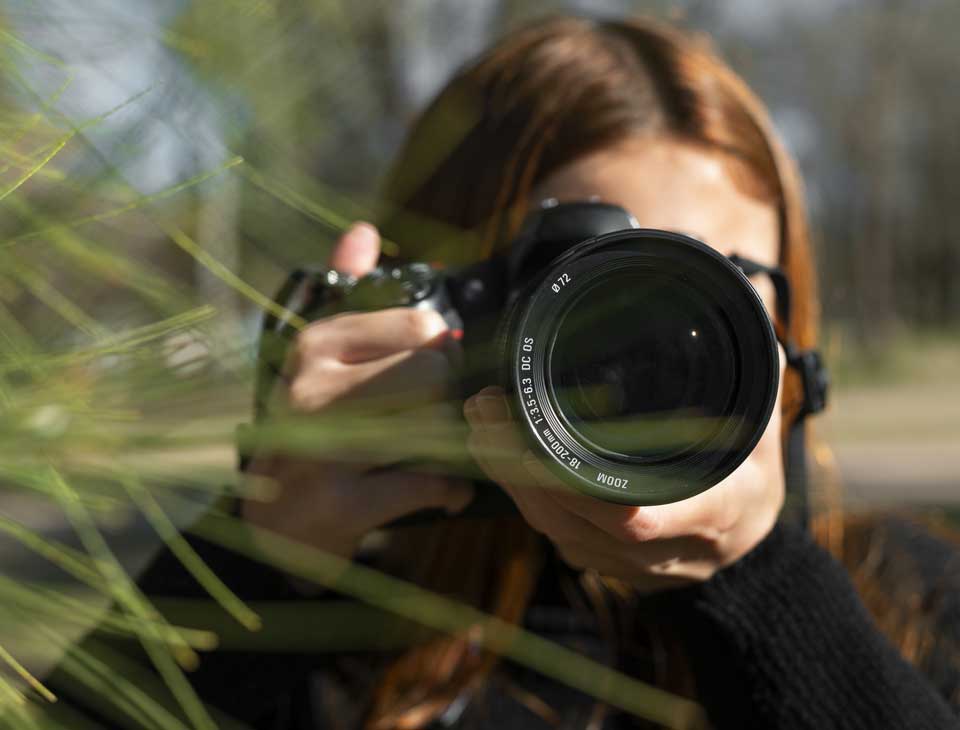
[{"x": 896, "y": 444}]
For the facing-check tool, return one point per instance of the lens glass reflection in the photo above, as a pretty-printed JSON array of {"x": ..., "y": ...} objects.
[{"x": 643, "y": 365}]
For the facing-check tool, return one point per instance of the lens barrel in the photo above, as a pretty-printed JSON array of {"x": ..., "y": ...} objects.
[{"x": 643, "y": 365}]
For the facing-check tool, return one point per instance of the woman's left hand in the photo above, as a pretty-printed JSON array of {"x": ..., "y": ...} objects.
[{"x": 651, "y": 548}]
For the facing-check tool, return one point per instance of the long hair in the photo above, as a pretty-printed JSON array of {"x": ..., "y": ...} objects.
[{"x": 544, "y": 96}]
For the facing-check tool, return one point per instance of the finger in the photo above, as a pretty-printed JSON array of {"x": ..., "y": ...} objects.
[
  {"x": 488, "y": 412},
  {"x": 390, "y": 383},
  {"x": 677, "y": 536},
  {"x": 434, "y": 437},
  {"x": 547, "y": 515},
  {"x": 400, "y": 381},
  {"x": 500, "y": 445},
  {"x": 439, "y": 435},
  {"x": 345, "y": 505},
  {"x": 359, "y": 441},
  {"x": 487, "y": 407},
  {"x": 707, "y": 516},
  {"x": 502, "y": 455},
  {"x": 624, "y": 524},
  {"x": 359, "y": 337},
  {"x": 394, "y": 494},
  {"x": 754, "y": 491},
  {"x": 543, "y": 516},
  {"x": 627, "y": 524},
  {"x": 356, "y": 252},
  {"x": 499, "y": 451}
]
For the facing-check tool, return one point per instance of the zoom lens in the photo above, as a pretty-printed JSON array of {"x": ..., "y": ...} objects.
[{"x": 645, "y": 366}]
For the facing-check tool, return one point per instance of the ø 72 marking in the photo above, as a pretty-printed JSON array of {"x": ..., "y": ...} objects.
[{"x": 560, "y": 282}]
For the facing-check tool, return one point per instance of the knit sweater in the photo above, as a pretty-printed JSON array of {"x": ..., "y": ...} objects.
[{"x": 781, "y": 640}]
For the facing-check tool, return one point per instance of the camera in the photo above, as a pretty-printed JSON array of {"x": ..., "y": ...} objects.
[{"x": 641, "y": 364}]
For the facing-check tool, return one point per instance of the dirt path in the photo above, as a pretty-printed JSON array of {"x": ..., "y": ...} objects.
[{"x": 897, "y": 444}]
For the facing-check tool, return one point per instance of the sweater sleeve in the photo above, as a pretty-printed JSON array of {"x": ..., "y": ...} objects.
[{"x": 781, "y": 641}]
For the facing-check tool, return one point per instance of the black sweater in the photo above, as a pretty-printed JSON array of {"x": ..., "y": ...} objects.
[
  {"x": 778, "y": 641},
  {"x": 781, "y": 640}
]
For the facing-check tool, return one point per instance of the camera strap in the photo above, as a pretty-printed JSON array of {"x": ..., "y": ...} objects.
[{"x": 815, "y": 384}]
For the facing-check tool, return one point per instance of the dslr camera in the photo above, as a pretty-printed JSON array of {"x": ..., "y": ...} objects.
[{"x": 641, "y": 364}]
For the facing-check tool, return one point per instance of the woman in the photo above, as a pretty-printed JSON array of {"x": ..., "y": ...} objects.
[{"x": 711, "y": 596}]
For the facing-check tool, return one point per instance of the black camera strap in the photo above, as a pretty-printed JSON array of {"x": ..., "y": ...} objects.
[{"x": 815, "y": 384}]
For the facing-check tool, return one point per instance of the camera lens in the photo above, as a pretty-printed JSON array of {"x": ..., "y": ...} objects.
[{"x": 645, "y": 366}]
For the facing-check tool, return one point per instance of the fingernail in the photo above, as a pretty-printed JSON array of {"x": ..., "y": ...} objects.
[
  {"x": 356, "y": 251},
  {"x": 362, "y": 228},
  {"x": 491, "y": 407},
  {"x": 363, "y": 236}
]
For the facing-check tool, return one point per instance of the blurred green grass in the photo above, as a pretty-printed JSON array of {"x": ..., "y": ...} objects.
[{"x": 906, "y": 357}]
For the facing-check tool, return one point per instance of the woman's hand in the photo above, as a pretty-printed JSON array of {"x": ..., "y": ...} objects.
[
  {"x": 342, "y": 370},
  {"x": 651, "y": 548}
]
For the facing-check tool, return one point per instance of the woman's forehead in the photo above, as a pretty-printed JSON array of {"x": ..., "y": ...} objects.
[{"x": 675, "y": 186}]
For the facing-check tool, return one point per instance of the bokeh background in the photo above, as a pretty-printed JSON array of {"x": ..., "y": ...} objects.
[{"x": 164, "y": 163}]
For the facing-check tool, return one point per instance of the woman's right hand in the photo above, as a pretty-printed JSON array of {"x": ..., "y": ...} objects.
[{"x": 336, "y": 364}]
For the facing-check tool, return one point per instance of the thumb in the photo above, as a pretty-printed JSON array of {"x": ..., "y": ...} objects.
[{"x": 357, "y": 250}]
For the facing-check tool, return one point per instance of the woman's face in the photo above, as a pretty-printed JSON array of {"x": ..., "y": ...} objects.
[{"x": 675, "y": 186}]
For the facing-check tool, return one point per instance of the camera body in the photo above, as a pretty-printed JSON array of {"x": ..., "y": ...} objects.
[{"x": 471, "y": 300}]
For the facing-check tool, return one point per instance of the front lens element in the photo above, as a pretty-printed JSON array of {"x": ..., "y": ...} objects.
[{"x": 643, "y": 366}]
